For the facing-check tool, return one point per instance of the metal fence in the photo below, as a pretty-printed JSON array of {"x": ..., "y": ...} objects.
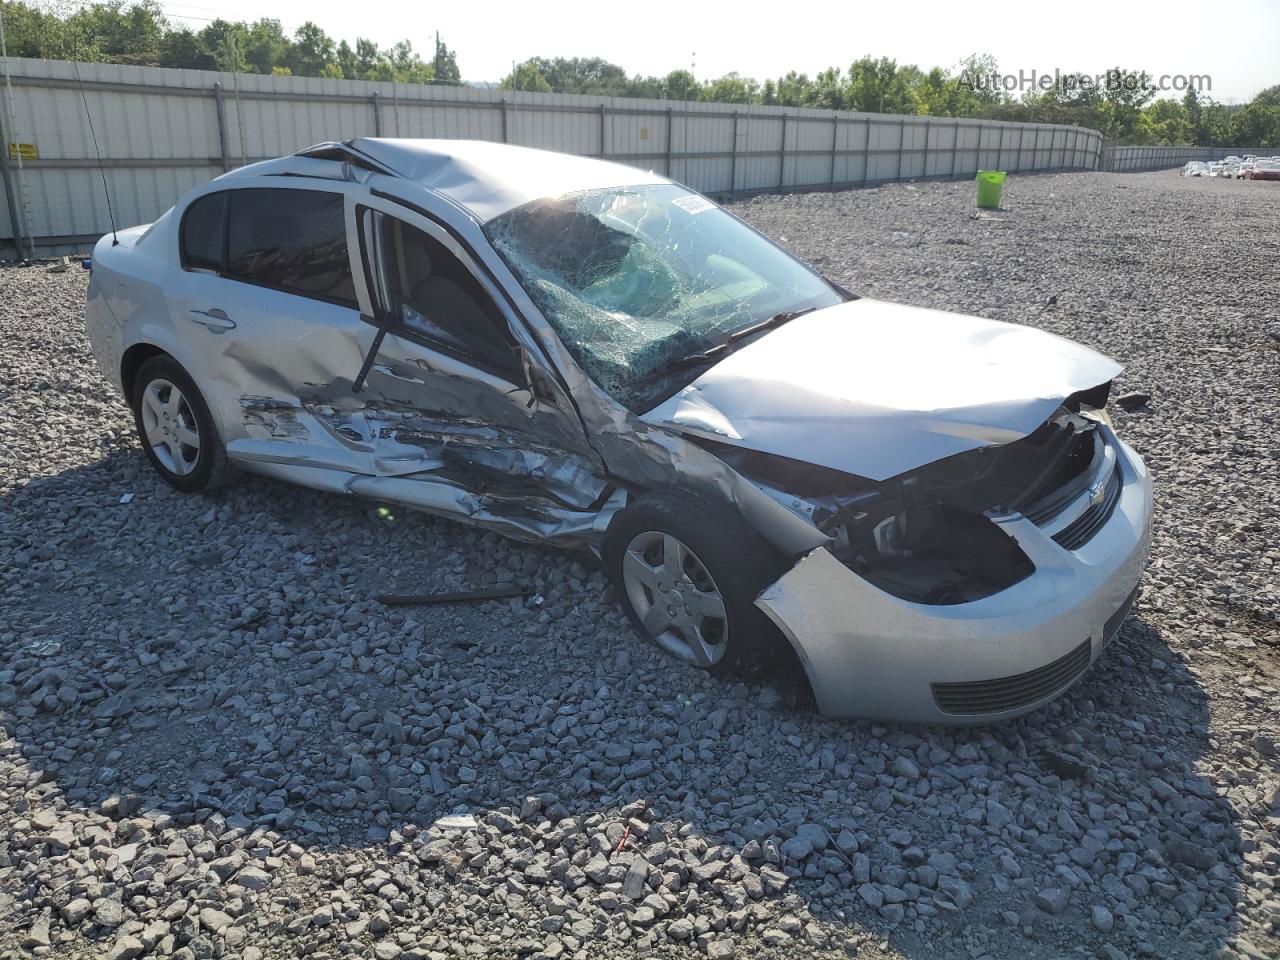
[
  {"x": 1131, "y": 159},
  {"x": 162, "y": 131}
]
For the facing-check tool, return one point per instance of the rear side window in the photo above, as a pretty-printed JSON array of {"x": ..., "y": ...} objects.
[
  {"x": 203, "y": 232},
  {"x": 292, "y": 240}
]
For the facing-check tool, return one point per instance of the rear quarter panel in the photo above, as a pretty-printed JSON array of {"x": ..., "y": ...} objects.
[{"x": 126, "y": 304}]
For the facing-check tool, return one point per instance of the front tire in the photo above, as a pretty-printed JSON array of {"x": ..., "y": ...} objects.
[
  {"x": 176, "y": 428},
  {"x": 687, "y": 572}
]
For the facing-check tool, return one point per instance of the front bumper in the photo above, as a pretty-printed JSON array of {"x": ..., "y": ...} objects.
[{"x": 869, "y": 654}]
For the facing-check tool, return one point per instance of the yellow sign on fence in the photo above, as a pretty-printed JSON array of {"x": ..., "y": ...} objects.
[{"x": 27, "y": 151}]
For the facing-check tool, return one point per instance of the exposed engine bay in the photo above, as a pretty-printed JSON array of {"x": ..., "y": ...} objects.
[{"x": 927, "y": 535}]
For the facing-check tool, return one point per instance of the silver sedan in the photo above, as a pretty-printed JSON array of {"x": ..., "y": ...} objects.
[{"x": 928, "y": 516}]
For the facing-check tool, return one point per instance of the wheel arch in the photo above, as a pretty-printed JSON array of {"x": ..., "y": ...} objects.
[{"x": 133, "y": 359}]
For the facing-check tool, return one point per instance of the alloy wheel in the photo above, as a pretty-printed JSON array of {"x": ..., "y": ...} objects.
[
  {"x": 675, "y": 598},
  {"x": 170, "y": 427}
]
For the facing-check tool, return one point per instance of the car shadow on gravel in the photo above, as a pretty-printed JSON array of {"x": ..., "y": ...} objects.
[{"x": 212, "y": 670}]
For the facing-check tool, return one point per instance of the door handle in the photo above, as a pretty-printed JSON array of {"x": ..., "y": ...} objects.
[{"x": 215, "y": 320}]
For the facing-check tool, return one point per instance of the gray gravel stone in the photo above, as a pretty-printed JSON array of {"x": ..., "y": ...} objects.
[
  {"x": 213, "y": 741},
  {"x": 1053, "y": 899},
  {"x": 1102, "y": 919}
]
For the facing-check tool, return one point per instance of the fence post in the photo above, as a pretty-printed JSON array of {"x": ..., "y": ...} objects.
[
  {"x": 669, "y": 129},
  {"x": 221, "y": 111},
  {"x": 866, "y": 150},
  {"x": 1000, "y": 148},
  {"x": 955, "y": 146},
  {"x": 19, "y": 248},
  {"x": 377, "y": 114},
  {"x": 835, "y": 135},
  {"x": 782, "y": 155},
  {"x": 902, "y": 136},
  {"x": 505, "y": 137},
  {"x": 733, "y": 163},
  {"x": 604, "y": 122},
  {"x": 928, "y": 129}
]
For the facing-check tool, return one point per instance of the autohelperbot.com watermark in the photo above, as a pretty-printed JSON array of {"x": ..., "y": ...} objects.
[{"x": 1038, "y": 81}]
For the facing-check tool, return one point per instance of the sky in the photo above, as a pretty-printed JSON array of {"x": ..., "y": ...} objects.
[{"x": 1236, "y": 43}]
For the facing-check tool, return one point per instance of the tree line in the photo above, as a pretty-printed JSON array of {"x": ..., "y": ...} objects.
[
  {"x": 1126, "y": 109},
  {"x": 140, "y": 34}
]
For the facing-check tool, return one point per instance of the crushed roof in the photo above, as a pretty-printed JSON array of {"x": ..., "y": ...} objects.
[{"x": 488, "y": 179}]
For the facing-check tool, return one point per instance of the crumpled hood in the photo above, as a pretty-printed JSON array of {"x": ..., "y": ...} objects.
[{"x": 876, "y": 389}]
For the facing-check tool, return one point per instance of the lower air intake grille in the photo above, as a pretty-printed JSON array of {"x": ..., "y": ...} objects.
[
  {"x": 1081, "y": 530},
  {"x": 977, "y": 697}
]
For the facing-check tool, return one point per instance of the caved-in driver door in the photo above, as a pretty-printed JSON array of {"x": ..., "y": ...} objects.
[{"x": 450, "y": 399}]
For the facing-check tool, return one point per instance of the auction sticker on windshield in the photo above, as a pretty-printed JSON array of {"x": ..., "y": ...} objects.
[{"x": 693, "y": 203}]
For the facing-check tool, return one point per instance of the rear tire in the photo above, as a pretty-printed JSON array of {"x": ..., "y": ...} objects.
[
  {"x": 687, "y": 572},
  {"x": 176, "y": 428}
]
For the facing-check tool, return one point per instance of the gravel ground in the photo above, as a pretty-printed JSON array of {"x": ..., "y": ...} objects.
[{"x": 213, "y": 742}]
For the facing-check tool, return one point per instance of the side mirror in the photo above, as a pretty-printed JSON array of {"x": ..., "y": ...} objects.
[{"x": 539, "y": 387}]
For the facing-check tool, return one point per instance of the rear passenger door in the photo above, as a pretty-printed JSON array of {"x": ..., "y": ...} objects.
[{"x": 267, "y": 306}]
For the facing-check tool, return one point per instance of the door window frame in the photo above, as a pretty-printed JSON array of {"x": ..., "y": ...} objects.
[
  {"x": 515, "y": 373},
  {"x": 333, "y": 190}
]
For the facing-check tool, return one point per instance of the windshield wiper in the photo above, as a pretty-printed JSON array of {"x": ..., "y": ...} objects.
[
  {"x": 686, "y": 362},
  {"x": 721, "y": 350},
  {"x": 777, "y": 320}
]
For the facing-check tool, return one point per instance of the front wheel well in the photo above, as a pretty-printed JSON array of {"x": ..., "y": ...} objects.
[{"x": 132, "y": 362}]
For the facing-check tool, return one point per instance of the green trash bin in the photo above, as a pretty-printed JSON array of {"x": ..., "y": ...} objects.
[{"x": 990, "y": 187}]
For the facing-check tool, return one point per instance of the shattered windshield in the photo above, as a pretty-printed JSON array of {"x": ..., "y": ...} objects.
[{"x": 639, "y": 281}]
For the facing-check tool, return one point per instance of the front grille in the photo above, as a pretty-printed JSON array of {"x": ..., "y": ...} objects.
[
  {"x": 977, "y": 697},
  {"x": 1082, "y": 529},
  {"x": 1087, "y": 449},
  {"x": 1116, "y": 620}
]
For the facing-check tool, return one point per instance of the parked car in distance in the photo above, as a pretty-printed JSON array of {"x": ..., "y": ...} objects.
[
  {"x": 930, "y": 515},
  {"x": 1215, "y": 168},
  {"x": 1265, "y": 170},
  {"x": 1196, "y": 168},
  {"x": 1230, "y": 170},
  {"x": 1245, "y": 167}
]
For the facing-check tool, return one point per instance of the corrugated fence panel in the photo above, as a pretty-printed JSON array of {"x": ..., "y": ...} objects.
[
  {"x": 1130, "y": 159},
  {"x": 163, "y": 131}
]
